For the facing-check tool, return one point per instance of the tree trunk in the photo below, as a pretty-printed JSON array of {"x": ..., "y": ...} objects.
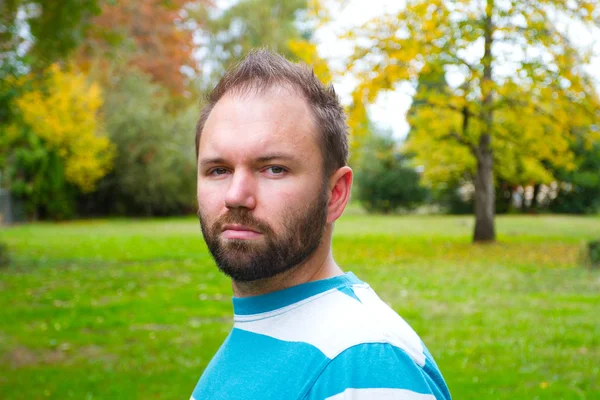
[
  {"x": 534, "y": 206},
  {"x": 484, "y": 193},
  {"x": 485, "y": 201}
]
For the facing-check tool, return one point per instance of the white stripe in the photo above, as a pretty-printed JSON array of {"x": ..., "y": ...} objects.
[
  {"x": 335, "y": 322},
  {"x": 380, "y": 394},
  {"x": 269, "y": 314}
]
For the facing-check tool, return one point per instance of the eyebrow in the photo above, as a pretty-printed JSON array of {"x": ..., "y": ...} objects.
[
  {"x": 211, "y": 161},
  {"x": 276, "y": 156},
  {"x": 266, "y": 158}
]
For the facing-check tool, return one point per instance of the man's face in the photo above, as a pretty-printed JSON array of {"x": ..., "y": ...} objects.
[{"x": 262, "y": 196}]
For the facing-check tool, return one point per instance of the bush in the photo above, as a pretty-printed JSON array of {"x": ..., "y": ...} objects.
[
  {"x": 4, "y": 257},
  {"x": 385, "y": 180},
  {"x": 453, "y": 198},
  {"x": 155, "y": 166},
  {"x": 593, "y": 253},
  {"x": 51, "y": 142},
  {"x": 579, "y": 191}
]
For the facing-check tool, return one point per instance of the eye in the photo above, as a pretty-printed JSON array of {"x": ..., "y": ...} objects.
[
  {"x": 276, "y": 170},
  {"x": 217, "y": 171}
]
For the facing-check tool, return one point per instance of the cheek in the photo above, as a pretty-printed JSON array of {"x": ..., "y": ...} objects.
[
  {"x": 279, "y": 203},
  {"x": 280, "y": 195},
  {"x": 210, "y": 200}
]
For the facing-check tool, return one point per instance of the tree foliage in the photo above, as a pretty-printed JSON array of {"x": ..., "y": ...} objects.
[
  {"x": 521, "y": 87},
  {"x": 52, "y": 151},
  {"x": 154, "y": 168},
  {"x": 579, "y": 189},
  {"x": 33, "y": 35},
  {"x": 154, "y": 36},
  {"x": 63, "y": 113},
  {"x": 40, "y": 32},
  {"x": 385, "y": 179},
  {"x": 231, "y": 33},
  {"x": 306, "y": 51},
  {"x": 54, "y": 145}
]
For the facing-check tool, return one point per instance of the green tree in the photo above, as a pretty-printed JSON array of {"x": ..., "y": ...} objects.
[
  {"x": 154, "y": 167},
  {"x": 40, "y": 32},
  {"x": 33, "y": 35},
  {"x": 54, "y": 145},
  {"x": 579, "y": 189},
  {"x": 523, "y": 89},
  {"x": 63, "y": 112},
  {"x": 231, "y": 33},
  {"x": 385, "y": 179}
]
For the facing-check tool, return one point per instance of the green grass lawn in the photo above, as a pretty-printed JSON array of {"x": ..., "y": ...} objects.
[{"x": 126, "y": 309}]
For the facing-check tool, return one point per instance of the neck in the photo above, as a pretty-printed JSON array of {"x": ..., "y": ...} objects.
[{"x": 320, "y": 265}]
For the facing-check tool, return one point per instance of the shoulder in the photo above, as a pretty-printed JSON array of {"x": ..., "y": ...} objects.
[
  {"x": 338, "y": 320},
  {"x": 378, "y": 371},
  {"x": 369, "y": 351}
]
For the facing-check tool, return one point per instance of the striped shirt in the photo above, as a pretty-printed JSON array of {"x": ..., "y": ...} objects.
[{"x": 329, "y": 339}]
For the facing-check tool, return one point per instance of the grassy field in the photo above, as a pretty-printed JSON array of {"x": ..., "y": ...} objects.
[{"x": 125, "y": 309}]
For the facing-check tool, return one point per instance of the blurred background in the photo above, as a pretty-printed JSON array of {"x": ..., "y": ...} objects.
[{"x": 475, "y": 142}]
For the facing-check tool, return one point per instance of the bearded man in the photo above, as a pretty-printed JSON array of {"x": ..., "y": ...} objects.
[{"x": 272, "y": 149}]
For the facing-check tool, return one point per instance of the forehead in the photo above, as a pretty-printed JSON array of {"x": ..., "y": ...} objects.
[{"x": 277, "y": 119}]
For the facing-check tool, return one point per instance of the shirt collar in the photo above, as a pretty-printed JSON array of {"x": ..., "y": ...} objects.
[{"x": 282, "y": 298}]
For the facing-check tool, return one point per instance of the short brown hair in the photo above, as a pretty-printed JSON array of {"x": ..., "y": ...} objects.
[{"x": 260, "y": 71}]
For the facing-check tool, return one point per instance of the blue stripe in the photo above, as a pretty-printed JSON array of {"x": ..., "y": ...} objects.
[
  {"x": 433, "y": 374},
  {"x": 372, "y": 366},
  {"x": 350, "y": 292},
  {"x": 251, "y": 366},
  {"x": 285, "y": 297}
]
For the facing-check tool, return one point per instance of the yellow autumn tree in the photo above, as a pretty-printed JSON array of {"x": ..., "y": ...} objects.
[
  {"x": 306, "y": 52},
  {"x": 62, "y": 110},
  {"x": 520, "y": 87}
]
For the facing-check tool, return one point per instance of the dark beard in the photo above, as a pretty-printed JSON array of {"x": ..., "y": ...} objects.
[{"x": 246, "y": 261}]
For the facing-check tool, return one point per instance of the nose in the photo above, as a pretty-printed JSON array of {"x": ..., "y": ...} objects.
[{"x": 241, "y": 191}]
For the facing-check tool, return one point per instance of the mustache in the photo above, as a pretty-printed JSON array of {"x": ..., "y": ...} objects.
[{"x": 239, "y": 216}]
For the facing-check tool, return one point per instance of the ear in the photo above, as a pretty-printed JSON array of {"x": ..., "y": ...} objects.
[{"x": 340, "y": 184}]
